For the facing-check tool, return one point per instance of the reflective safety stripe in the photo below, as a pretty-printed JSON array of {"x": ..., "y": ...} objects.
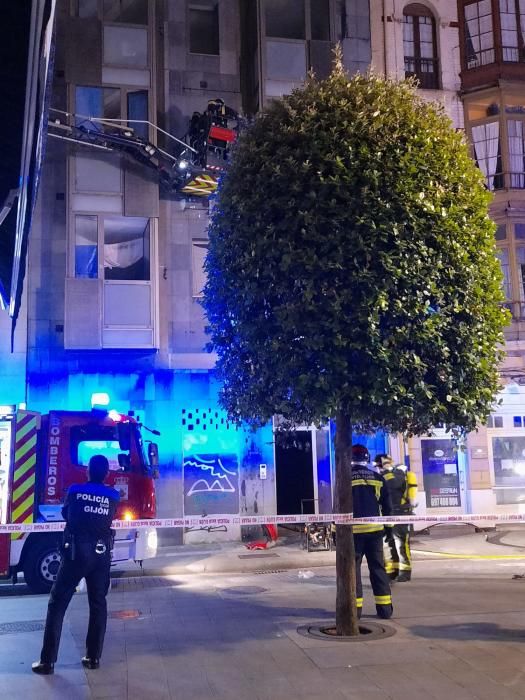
[
  {"x": 359, "y": 602},
  {"x": 405, "y": 567},
  {"x": 391, "y": 566},
  {"x": 360, "y": 529},
  {"x": 383, "y": 599}
]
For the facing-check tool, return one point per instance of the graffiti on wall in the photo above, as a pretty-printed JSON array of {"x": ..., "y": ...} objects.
[{"x": 211, "y": 484}]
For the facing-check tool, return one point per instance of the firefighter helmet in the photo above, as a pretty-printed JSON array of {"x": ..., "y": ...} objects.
[
  {"x": 384, "y": 461},
  {"x": 360, "y": 455}
]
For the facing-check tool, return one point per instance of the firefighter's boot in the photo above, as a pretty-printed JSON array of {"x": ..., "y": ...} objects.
[
  {"x": 403, "y": 577},
  {"x": 385, "y": 611}
]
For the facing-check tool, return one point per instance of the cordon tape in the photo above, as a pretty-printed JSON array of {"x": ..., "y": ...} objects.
[{"x": 215, "y": 520}]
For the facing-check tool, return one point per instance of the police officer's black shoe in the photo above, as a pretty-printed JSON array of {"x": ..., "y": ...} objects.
[
  {"x": 90, "y": 663},
  {"x": 403, "y": 577},
  {"x": 384, "y": 611},
  {"x": 42, "y": 668}
]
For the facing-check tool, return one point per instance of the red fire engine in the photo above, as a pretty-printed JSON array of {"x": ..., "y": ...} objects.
[{"x": 41, "y": 455}]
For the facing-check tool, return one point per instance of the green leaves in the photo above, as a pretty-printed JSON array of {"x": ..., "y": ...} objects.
[{"x": 351, "y": 264}]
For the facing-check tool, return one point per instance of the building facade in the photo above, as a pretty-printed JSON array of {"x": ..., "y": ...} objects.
[{"x": 115, "y": 259}]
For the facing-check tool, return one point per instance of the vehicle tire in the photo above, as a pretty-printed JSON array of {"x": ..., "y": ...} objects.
[{"x": 41, "y": 564}]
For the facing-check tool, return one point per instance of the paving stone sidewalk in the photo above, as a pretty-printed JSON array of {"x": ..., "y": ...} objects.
[{"x": 458, "y": 634}]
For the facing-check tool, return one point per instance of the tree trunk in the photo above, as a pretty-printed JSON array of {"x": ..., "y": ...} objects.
[{"x": 345, "y": 607}]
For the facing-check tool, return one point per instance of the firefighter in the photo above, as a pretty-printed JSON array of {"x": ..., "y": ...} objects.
[
  {"x": 86, "y": 553},
  {"x": 371, "y": 498},
  {"x": 402, "y": 486}
]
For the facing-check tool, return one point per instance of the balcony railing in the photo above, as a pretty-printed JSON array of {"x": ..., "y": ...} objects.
[
  {"x": 426, "y": 70},
  {"x": 506, "y": 181}
]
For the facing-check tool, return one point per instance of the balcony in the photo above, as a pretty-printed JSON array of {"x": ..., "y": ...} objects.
[{"x": 425, "y": 70}]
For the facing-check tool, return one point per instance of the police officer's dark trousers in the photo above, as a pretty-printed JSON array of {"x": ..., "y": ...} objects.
[
  {"x": 95, "y": 569},
  {"x": 370, "y": 545}
]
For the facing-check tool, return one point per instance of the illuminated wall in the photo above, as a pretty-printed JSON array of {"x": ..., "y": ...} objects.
[{"x": 206, "y": 464}]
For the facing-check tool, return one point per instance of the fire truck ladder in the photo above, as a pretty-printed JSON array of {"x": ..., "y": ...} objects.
[{"x": 191, "y": 170}]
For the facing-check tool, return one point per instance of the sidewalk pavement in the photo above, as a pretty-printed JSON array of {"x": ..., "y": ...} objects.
[
  {"x": 442, "y": 542},
  {"x": 459, "y": 633}
]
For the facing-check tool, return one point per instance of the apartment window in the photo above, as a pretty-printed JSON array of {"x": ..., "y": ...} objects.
[
  {"x": 86, "y": 247},
  {"x": 87, "y": 8},
  {"x": 501, "y": 232},
  {"x": 137, "y": 106},
  {"x": 127, "y": 11},
  {"x": 503, "y": 255},
  {"x": 198, "y": 256},
  {"x": 204, "y": 27},
  {"x": 126, "y": 47},
  {"x": 285, "y": 19},
  {"x": 126, "y": 248},
  {"x": 419, "y": 46},
  {"x": 519, "y": 232},
  {"x": 512, "y": 19},
  {"x": 516, "y": 153},
  {"x": 96, "y": 102},
  {"x": 122, "y": 243},
  {"x": 486, "y": 142},
  {"x": 479, "y": 34},
  {"x": 320, "y": 20}
]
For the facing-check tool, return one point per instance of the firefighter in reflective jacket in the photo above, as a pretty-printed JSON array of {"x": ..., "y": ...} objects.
[
  {"x": 370, "y": 498},
  {"x": 89, "y": 510},
  {"x": 402, "y": 486}
]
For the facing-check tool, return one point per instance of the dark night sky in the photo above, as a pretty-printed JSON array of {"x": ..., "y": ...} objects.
[
  {"x": 14, "y": 31},
  {"x": 14, "y": 35}
]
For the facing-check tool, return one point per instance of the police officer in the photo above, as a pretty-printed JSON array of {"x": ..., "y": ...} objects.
[
  {"x": 402, "y": 486},
  {"x": 86, "y": 553},
  {"x": 371, "y": 498}
]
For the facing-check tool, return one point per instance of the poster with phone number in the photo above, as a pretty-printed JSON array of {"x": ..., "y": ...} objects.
[{"x": 440, "y": 473}]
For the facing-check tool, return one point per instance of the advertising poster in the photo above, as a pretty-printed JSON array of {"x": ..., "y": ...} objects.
[{"x": 440, "y": 473}]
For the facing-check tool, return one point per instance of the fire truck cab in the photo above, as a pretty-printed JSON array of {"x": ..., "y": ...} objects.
[{"x": 41, "y": 456}]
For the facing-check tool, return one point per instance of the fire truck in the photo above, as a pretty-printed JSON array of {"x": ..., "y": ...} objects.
[{"x": 42, "y": 455}]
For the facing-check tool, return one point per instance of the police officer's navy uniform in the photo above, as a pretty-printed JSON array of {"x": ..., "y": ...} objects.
[
  {"x": 88, "y": 511},
  {"x": 371, "y": 498},
  {"x": 402, "y": 486}
]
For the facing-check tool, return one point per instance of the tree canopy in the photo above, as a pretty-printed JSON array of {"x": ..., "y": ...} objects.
[{"x": 351, "y": 264}]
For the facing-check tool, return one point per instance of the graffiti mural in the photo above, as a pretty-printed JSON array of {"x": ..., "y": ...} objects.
[{"x": 211, "y": 484}]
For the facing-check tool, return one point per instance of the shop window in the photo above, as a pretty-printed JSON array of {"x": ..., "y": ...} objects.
[
  {"x": 198, "y": 256},
  {"x": 487, "y": 152},
  {"x": 479, "y": 34},
  {"x": 204, "y": 27},
  {"x": 509, "y": 469},
  {"x": 125, "y": 46},
  {"x": 86, "y": 246},
  {"x": 126, "y": 248},
  {"x": 127, "y": 11},
  {"x": 419, "y": 46},
  {"x": 512, "y": 19},
  {"x": 503, "y": 256},
  {"x": 285, "y": 18}
]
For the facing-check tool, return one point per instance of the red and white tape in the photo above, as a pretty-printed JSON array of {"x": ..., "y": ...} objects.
[{"x": 217, "y": 520}]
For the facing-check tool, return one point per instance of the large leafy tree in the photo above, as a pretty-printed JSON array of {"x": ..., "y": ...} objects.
[{"x": 352, "y": 274}]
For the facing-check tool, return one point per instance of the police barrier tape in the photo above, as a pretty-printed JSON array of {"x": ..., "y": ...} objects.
[{"x": 215, "y": 520}]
